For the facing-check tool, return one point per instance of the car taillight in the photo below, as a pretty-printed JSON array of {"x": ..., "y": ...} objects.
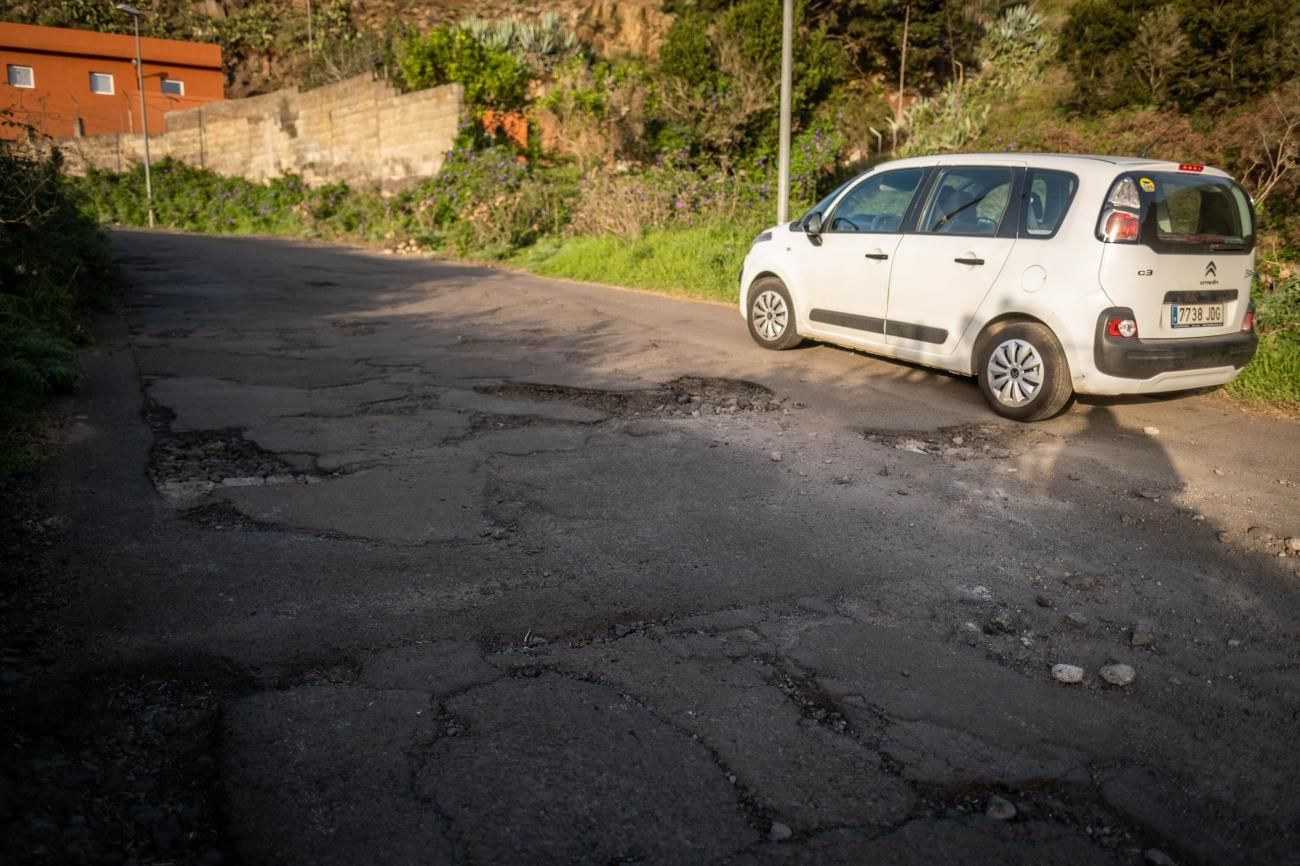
[
  {"x": 1248, "y": 321},
  {"x": 1121, "y": 227},
  {"x": 1121, "y": 221},
  {"x": 1121, "y": 327}
]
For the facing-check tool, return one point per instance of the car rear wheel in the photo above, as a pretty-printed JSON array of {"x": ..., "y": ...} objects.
[
  {"x": 1023, "y": 372},
  {"x": 771, "y": 315}
]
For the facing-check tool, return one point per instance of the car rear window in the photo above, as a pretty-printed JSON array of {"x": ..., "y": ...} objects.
[{"x": 1193, "y": 212}]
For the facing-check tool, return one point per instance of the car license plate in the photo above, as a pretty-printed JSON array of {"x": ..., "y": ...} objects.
[{"x": 1195, "y": 315}]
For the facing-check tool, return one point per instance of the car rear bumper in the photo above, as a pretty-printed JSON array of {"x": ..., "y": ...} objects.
[{"x": 1150, "y": 359}]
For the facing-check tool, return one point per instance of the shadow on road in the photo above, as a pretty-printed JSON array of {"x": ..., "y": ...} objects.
[{"x": 466, "y": 563}]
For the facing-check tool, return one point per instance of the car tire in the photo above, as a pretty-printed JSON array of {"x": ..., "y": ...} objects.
[
  {"x": 771, "y": 315},
  {"x": 1022, "y": 371}
]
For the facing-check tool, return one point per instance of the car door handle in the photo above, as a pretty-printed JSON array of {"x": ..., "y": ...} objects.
[
  {"x": 963, "y": 260},
  {"x": 878, "y": 256}
]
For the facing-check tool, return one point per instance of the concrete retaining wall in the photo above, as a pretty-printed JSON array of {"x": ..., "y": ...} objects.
[{"x": 361, "y": 131}]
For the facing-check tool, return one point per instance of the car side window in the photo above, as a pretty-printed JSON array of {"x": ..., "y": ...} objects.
[
  {"x": 1047, "y": 199},
  {"x": 969, "y": 200},
  {"x": 878, "y": 203}
]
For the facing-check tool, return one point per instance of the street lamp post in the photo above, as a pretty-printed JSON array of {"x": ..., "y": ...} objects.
[
  {"x": 783, "y": 146},
  {"x": 144, "y": 117}
]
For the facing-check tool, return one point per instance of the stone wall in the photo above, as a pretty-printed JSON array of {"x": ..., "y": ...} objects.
[{"x": 361, "y": 131}]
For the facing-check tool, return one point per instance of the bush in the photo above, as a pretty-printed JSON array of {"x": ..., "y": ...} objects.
[
  {"x": 492, "y": 77},
  {"x": 54, "y": 263},
  {"x": 1274, "y": 374},
  {"x": 687, "y": 52},
  {"x": 489, "y": 201}
]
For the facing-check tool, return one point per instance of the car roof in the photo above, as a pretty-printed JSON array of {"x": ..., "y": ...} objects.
[{"x": 1078, "y": 162}]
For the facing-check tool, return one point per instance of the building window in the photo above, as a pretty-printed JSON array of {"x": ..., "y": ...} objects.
[
  {"x": 173, "y": 87},
  {"x": 21, "y": 76},
  {"x": 101, "y": 82}
]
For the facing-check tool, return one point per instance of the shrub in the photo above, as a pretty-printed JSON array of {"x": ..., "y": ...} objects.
[
  {"x": 1274, "y": 374},
  {"x": 54, "y": 263},
  {"x": 492, "y": 77},
  {"x": 687, "y": 52},
  {"x": 488, "y": 201}
]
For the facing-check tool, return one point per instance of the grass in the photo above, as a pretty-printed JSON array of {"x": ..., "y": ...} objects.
[
  {"x": 698, "y": 262},
  {"x": 1274, "y": 375}
]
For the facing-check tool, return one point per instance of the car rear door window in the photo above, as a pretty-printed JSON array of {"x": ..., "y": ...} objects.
[
  {"x": 969, "y": 200},
  {"x": 1047, "y": 195}
]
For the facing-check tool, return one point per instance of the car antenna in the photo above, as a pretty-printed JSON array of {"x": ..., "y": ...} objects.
[{"x": 1156, "y": 140}]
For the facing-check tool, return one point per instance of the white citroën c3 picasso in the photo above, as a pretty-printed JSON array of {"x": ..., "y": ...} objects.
[{"x": 1041, "y": 275}]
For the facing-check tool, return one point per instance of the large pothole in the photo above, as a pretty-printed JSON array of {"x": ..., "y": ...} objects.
[
  {"x": 186, "y": 466},
  {"x": 685, "y": 397},
  {"x": 189, "y": 465},
  {"x": 963, "y": 442}
]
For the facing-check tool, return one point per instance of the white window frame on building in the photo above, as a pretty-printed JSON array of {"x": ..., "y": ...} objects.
[
  {"x": 13, "y": 74},
  {"x": 177, "y": 85},
  {"x": 101, "y": 77}
]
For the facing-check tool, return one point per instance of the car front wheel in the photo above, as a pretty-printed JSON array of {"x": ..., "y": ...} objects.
[
  {"x": 771, "y": 315},
  {"x": 1023, "y": 372}
]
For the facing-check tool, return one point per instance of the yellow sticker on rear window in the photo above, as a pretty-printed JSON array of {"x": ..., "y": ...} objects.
[{"x": 1147, "y": 184}]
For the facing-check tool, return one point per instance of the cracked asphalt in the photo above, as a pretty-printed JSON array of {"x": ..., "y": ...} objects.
[{"x": 476, "y": 567}]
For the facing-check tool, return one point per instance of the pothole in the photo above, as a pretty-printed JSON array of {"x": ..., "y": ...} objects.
[
  {"x": 814, "y": 702},
  {"x": 685, "y": 397},
  {"x": 963, "y": 442},
  {"x": 186, "y": 466}
]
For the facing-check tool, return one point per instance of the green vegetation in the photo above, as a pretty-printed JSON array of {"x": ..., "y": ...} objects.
[
  {"x": 1187, "y": 53},
  {"x": 1274, "y": 375},
  {"x": 700, "y": 262},
  {"x": 54, "y": 262},
  {"x": 492, "y": 77}
]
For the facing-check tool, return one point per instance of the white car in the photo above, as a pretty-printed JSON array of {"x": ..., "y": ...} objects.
[{"x": 1041, "y": 275}]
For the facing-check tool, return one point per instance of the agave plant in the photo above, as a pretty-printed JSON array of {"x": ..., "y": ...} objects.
[
  {"x": 1019, "y": 28},
  {"x": 540, "y": 43}
]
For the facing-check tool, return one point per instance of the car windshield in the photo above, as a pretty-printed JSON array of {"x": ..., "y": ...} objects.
[{"x": 1197, "y": 211}]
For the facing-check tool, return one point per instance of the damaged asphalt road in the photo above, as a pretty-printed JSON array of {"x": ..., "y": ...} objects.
[{"x": 359, "y": 559}]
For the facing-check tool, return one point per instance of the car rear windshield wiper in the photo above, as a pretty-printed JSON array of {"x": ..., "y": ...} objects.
[{"x": 1227, "y": 247}]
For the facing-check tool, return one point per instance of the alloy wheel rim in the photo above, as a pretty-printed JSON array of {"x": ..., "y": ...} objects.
[
  {"x": 771, "y": 315},
  {"x": 1015, "y": 373}
]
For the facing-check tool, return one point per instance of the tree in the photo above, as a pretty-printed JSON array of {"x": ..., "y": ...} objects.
[
  {"x": 942, "y": 37},
  {"x": 1158, "y": 47},
  {"x": 1237, "y": 49},
  {"x": 1095, "y": 46}
]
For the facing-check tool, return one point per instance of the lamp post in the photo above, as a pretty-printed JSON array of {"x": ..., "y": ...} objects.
[
  {"x": 783, "y": 146},
  {"x": 144, "y": 117}
]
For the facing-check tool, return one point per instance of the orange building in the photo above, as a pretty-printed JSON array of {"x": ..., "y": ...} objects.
[{"x": 77, "y": 82}]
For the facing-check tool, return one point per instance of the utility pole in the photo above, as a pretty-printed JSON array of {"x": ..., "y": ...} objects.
[
  {"x": 787, "y": 75},
  {"x": 144, "y": 117}
]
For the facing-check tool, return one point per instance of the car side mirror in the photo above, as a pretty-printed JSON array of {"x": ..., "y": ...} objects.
[{"x": 812, "y": 226}]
